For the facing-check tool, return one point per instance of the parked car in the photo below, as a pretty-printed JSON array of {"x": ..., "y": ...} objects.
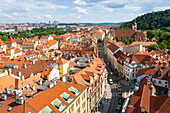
[
  {"x": 111, "y": 73},
  {"x": 110, "y": 81}
]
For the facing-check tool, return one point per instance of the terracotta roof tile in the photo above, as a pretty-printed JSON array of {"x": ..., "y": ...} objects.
[{"x": 10, "y": 40}]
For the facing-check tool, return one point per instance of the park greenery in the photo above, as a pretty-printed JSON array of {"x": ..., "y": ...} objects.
[
  {"x": 127, "y": 41},
  {"x": 32, "y": 33}
]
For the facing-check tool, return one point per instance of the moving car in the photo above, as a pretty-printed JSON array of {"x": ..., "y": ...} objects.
[{"x": 110, "y": 81}]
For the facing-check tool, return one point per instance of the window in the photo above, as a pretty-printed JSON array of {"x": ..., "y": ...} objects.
[
  {"x": 166, "y": 82},
  {"x": 154, "y": 81},
  {"x": 78, "y": 102},
  {"x": 160, "y": 82},
  {"x": 78, "y": 110},
  {"x": 166, "y": 86},
  {"x": 0, "y": 105},
  {"x": 10, "y": 108},
  {"x": 83, "y": 96},
  {"x": 72, "y": 108},
  {"x": 83, "y": 105}
]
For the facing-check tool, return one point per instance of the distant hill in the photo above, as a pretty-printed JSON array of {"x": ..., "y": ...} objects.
[{"x": 150, "y": 21}]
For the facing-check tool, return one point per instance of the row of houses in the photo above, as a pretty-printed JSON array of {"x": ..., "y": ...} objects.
[{"x": 52, "y": 78}]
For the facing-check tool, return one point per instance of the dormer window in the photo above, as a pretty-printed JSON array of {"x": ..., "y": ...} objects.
[
  {"x": 74, "y": 90},
  {"x": 58, "y": 104},
  {"x": 47, "y": 109},
  {"x": 160, "y": 73},
  {"x": 66, "y": 97}
]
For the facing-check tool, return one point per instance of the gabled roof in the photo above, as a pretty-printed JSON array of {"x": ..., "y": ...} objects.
[
  {"x": 62, "y": 61},
  {"x": 139, "y": 58},
  {"x": 10, "y": 40},
  {"x": 154, "y": 72},
  {"x": 160, "y": 103},
  {"x": 113, "y": 47},
  {"x": 128, "y": 33},
  {"x": 124, "y": 33},
  {"x": 2, "y": 43}
]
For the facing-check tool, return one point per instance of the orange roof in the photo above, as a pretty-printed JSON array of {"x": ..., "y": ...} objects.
[
  {"x": 51, "y": 42},
  {"x": 142, "y": 43},
  {"x": 2, "y": 43},
  {"x": 10, "y": 40},
  {"x": 7, "y": 82},
  {"x": 62, "y": 61},
  {"x": 44, "y": 98}
]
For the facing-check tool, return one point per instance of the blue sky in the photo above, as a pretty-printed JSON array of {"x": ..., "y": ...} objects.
[{"x": 14, "y": 11}]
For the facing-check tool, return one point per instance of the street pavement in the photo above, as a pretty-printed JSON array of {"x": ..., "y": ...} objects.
[
  {"x": 107, "y": 99},
  {"x": 112, "y": 97}
]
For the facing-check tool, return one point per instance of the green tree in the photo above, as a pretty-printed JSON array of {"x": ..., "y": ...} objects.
[
  {"x": 153, "y": 47},
  {"x": 99, "y": 40},
  {"x": 162, "y": 45},
  {"x": 150, "y": 34},
  {"x": 130, "y": 40}
]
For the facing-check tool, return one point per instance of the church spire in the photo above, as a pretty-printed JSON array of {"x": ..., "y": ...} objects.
[{"x": 134, "y": 27}]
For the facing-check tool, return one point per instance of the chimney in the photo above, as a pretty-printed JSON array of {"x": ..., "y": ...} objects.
[
  {"x": 33, "y": 87},
  {"x": 24, "y": 65},
  {"x": 22, "y": 77},
  {"x": 19, "y": 74},
  {"x": 142, "y": 110},
  {"x": 40, "y": 82},
  {"x": 33, "y": 62},
  {"x": 16, "y": 83},
  {"x": 3, "y": 97},
  {"x": 19, "y": 100},
  {"x": 31, "y": 74},
  {"x": 9, "y": 71}
]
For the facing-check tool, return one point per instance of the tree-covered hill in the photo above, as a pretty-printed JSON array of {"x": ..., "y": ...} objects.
[{"x": 150, "y": 21}]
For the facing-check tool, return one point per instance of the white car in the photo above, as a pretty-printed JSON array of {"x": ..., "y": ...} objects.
[{"x": 110, "y": 81}]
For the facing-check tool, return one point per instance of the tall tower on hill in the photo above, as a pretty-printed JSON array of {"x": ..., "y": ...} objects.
[{"x": 134, "y": 27}]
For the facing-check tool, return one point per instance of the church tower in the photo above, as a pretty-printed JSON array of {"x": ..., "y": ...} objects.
[{"x": 134, "y": 27}]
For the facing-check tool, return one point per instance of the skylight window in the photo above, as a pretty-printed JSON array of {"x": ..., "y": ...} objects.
[
  {"x": 63, "y": 84},
  {"x": 66, "y": 97},
  {"x": 47, "y": 109},
  {"x": 74, "y": 90},
  {"x": 58, "y": 104},
  {"x": 0, "y": 105},
  {"x": 10, "y": 108},
  {"x": 82, "y": 82}
]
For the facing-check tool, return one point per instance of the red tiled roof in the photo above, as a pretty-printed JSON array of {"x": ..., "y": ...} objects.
[
  {"x": 113, "y": 47},
  {"x": 44, "y": 98},
  {"x": 2, "y": 43},
  {"x": 10, "y": 40}
]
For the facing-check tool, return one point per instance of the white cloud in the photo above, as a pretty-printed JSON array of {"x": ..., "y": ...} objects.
[
  {"x": 160, "y": 8},
  {"x": 15, "y": 13},
  {"x": 49, "y": 16},
  {"x": 75, "y": 15},
  {"x": 9, "y": 16},
  {"x": 79, "y": 10},
  {"x": 80, "y": 2}
]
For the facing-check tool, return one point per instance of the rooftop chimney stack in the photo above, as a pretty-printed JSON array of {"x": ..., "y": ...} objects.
[
  {"x": 19, "y": 74},
  {"x": 3, "y": 97},
  {"x": 9, "y": 71},
  {"x": 25, "y": 66},
  {"x": 22, "y": 77}
]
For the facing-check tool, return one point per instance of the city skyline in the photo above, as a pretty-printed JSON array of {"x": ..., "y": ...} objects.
[{"x": 78, "y": 11}]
